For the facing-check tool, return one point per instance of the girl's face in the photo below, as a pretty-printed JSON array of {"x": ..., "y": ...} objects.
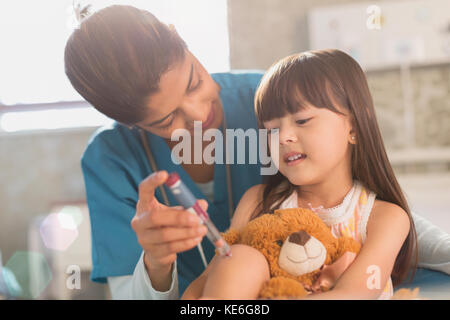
[
  {"x": 313, "y": 145},
  {"x": 187, "y": 93}
]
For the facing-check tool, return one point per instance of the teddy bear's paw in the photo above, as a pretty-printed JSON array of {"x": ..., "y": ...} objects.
[{"x": 282, "y": 288}]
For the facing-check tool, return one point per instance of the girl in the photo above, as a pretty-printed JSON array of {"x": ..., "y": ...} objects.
[{"x": 331, "y": 155}]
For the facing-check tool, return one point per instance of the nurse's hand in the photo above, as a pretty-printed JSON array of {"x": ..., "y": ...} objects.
[{"x": 163, "y": 231}]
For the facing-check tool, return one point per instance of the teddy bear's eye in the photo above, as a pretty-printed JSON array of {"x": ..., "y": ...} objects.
[{"x": 279, "y": 242}]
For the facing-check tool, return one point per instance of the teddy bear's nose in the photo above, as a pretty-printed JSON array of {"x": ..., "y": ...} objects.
[{"x": 299, "y": 237}]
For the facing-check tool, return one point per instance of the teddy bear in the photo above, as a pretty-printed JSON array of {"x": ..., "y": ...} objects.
[{"x": 302, "y": 253}]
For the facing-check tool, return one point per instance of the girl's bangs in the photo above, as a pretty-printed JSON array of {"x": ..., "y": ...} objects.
[{"x": 294, "y": 84}]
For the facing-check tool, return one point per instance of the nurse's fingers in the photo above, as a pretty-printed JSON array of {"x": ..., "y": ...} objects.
[
  {"x": 174, "y": 216},
  {"x": 203, "y": 203},
  {"x": 165, "y": 235},
  {"x": 165, "y": 249},
  {"x": 147, "y": 188},
  {"x": 162, "y": 218}
]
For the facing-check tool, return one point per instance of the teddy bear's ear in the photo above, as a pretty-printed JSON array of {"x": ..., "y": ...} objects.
[{"x": 232, "y": 236}]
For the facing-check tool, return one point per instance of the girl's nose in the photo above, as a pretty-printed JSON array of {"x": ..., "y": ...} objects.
[{"x": 287, "y": 135}]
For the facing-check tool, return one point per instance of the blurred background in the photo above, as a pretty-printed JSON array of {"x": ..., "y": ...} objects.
[{"x": 403, "y": 46}]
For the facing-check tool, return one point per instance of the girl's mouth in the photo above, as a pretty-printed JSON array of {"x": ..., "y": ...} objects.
[{"x": 293, "y": 158}]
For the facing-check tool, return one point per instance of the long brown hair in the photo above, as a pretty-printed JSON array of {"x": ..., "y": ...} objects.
[
  {"x": 116, "y": 57},
  {"x": 324, "y": 79}
]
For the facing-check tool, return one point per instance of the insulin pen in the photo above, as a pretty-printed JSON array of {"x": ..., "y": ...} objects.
[{"x": 184, "y": 196}]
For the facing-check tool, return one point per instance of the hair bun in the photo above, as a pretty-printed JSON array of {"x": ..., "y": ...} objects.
[{"x": 81, "y": 12}]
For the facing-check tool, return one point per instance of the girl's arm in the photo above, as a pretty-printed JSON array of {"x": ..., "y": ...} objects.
[{"x": 366, "y": 277}]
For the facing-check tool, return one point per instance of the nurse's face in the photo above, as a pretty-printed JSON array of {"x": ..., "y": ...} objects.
[{"x": 187, "y": 93}]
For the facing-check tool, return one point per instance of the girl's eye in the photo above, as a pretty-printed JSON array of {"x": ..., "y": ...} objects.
[
  {"x": 279, "y": 242},
  {"x": 300, "y": 122},
  {"x": 272, "y": 130}
]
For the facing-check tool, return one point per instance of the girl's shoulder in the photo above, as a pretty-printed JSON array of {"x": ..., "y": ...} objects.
[
  {"x": 385, "y": 205},
  {"x": 385, "y": 212}
]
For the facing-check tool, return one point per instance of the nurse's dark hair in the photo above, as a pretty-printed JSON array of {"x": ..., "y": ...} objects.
[
  {"x": 116, "y": 57},
  {"x": 326, "y": 79}
]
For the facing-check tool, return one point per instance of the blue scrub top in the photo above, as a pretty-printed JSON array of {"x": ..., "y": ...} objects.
[{"x": 114, "y": 164}]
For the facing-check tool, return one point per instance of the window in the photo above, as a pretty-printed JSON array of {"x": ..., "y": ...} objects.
[{"x": 34, "y": 34}]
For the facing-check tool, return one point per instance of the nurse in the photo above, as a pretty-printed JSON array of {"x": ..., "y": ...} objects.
[{"x": 139, "y": 72}]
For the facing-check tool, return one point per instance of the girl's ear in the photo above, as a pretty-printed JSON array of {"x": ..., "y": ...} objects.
[
  {"x": 352, "y": 134},
  {"x": 352, "y": 137}
]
